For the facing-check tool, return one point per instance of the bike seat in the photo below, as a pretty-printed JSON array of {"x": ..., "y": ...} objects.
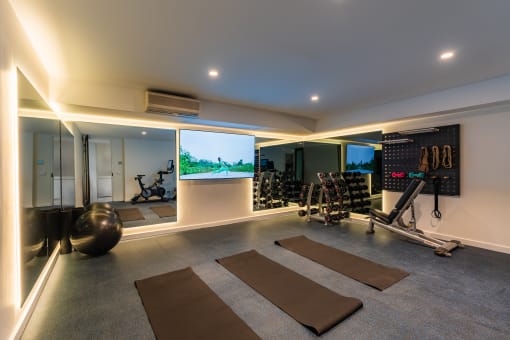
[{"x": 140, "y": 176}]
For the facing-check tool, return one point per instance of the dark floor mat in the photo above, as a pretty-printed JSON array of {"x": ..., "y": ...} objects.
[
  {"x": 309, "y": 303},
  {"x": 355, "y": 267},
  {"x": 164, "y": 210},
  {"x": 181, "y": 306},
  {"x": 130, "y": 214}
]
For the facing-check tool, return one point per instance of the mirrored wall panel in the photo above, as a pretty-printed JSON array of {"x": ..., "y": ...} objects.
[
  {"x": 279, "y": 174},
  {"x": 132, "y": 168},
  {"x": 286, "y": 170},
  {"x": 41, "y": 158},
  {"x": 355, "y": 161}
]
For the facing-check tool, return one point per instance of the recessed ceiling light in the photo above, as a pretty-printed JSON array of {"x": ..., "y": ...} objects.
[
  {"x": 314, "y": 98},
  {"x": 213, "y": 73},
  {"x": 447, "y": 55},
  {"x": 144, "y": 133}
]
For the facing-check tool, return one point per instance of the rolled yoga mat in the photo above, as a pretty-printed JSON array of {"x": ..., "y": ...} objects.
[
  {"x": 309, "y": 303},
  {"x": 181, "y": 306},
  {"x": 355, "y": 267}
]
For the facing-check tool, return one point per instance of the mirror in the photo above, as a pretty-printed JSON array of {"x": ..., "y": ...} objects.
[
  {"x": 279, "y": 172},
  {"x": 132, "y": 168},
  {"x": 284, "y": 166},
  {"x": 359, "y": 160},
  {"x": 40, "y": 181}
]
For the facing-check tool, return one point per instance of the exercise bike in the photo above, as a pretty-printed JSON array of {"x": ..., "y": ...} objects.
[{"x": 155, "y": 190}]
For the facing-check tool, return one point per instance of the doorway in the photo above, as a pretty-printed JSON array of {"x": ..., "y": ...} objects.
[{"x": 100, "y": 170}]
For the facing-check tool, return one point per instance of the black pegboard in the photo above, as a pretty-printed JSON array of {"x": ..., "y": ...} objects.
[{"x": 405, "y": 157}]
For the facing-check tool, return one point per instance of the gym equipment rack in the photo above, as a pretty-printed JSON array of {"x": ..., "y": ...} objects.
[
  {"x": 326, "y": 203},
  {"x": 268, "y": 191},
  {"x": 358, "y": 194},
  {"x": 311, "y": 200}
]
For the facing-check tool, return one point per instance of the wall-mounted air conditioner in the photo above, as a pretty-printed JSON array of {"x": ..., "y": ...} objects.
[{"x": 159, "y": 102}]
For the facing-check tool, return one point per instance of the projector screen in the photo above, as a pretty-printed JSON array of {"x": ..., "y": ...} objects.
[{"x": 215, "y": 155}]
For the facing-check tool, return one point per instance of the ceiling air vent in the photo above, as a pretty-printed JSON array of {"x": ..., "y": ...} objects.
[{"x": 158, "y": 102}]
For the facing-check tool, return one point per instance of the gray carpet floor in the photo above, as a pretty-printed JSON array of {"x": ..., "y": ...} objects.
[{"x": 466, "y": 296}]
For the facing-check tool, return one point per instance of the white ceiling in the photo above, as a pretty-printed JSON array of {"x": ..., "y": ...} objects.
[{"x": 274, "y": 54}]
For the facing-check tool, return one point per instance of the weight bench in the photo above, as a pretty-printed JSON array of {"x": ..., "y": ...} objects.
[{"x": 394, "y": 222}]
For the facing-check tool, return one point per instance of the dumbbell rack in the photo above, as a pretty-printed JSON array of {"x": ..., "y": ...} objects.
[
  {"x": 333, "y": 190},
  {"x": 278, "y": 196},
  {"x": 358, "y": 193},
  {"x": 311, "y": 199},
  {"x": 341, "y": 192},
  {"x": 268, "y": 191},
  {"x": 291, "y": 187},
  {"x": 324, "y": 201},
  {"x": 257, "y": 184}
]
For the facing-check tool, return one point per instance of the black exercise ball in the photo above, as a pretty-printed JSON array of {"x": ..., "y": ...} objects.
[
  {"x": 100, "y": 206},
  {"x": 96, "y": 232}
]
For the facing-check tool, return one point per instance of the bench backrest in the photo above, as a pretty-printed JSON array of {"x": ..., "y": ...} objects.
[{"x": 412, "y": 190}]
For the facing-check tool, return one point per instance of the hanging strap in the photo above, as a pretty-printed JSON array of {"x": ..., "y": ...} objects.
[{"x": 437, "y": 185}]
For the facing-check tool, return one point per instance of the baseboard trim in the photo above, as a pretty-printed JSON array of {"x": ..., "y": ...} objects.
[{"x": 469, "y": 242}]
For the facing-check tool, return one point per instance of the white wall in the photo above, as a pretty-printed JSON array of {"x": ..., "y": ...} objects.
[
  {"x": 208, "y": 201},
  {"x": 146, "y": 157},
  {"x": 478, "y": 215},
  {"x": 8, "y": 264}
]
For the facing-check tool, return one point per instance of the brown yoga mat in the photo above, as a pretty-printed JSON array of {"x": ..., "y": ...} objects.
[
  {"x": 164, "y": 210},
  {"x": 130, "y": 214},
  {"x": 181, "y": 306},
  {"x": 355, "y": 267},
  {"x": 309, "y": 303}
]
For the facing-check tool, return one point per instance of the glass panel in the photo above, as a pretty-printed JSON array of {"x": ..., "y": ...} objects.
[
  {"x": 279, "y": 180},
  {"x": 38, "y": 233},
  {"x": 130, "y": 168},
  {"x": 42, "y": 157}
]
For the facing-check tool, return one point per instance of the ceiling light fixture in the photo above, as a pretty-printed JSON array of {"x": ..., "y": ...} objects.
[
  {"x": 314, "y": 98},
  {"x": 213, "y": 73},
  {"x": 447, "y": 55},
  {"x": 144, "y": 133}
]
